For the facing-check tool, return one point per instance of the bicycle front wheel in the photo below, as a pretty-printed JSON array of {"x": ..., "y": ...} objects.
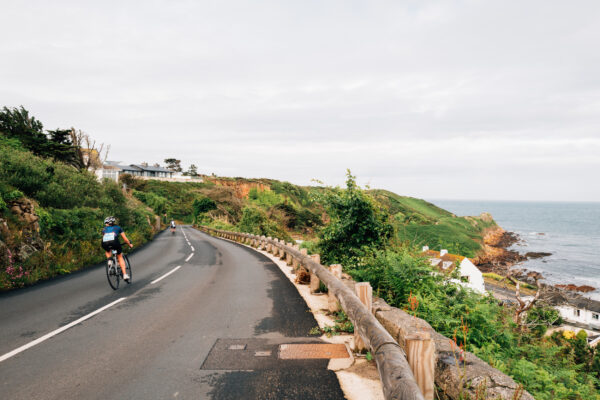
[
  {"x": 128, "y": 268},
  {"x": 112, "y": 274}
]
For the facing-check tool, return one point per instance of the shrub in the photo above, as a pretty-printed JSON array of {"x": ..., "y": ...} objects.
[
  {"x": 158, "y": 203},
  {"x": 255, "y": 221},
  {"x": 264, "y": 198},
  {"x": 357, "y": 224}
]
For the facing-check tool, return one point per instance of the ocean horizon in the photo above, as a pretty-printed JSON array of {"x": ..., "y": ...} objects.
[{"x": 568, "y": 230}]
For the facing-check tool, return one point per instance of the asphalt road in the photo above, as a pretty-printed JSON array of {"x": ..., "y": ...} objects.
[{"x": 210, "y": 329}]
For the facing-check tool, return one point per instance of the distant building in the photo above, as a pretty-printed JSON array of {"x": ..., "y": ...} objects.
[
  {"x": 113, "y": 170},
  {"x": 470, "y": 275},
  {"x": 582, "y": 311},
  {"x": 108, "y": 172}
]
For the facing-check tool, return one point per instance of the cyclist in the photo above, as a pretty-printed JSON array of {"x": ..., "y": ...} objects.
[
  {"x": 110, "y": 241},
  {"x": 172, "y": 226}
]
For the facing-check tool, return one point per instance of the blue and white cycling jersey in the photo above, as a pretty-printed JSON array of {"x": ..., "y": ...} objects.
[{"x": 111, "y": 233}]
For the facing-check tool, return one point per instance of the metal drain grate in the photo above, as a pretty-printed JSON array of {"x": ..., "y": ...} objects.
[{"x": 313, "y": 350}]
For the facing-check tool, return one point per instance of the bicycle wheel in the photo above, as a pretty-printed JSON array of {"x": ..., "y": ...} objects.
[
  {"x": 128, "y": 268},
  {"x": 112, "y": 274}
]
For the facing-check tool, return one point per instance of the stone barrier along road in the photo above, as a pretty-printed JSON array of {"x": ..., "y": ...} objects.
[
  {"x": 396, "y": 376},
  {"x": 456, "y": 382}
]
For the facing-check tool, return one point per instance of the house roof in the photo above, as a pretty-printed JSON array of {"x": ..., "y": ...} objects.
[
  {"x": 585, "y": 303},
  {"x": 128, "y": 167},
  {"x": 152, "y": 168},
  {"x": 110, "y": 166},
  {"x": 439, "y": 261}
]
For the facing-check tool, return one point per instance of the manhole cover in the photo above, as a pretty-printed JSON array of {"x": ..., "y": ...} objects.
[{"x": 313, "y": 350}]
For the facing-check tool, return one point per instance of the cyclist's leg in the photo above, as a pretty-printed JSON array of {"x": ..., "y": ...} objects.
[
  {"x": 117, "y": 246},
  {"x": 106, "y": 249},
  {"x": 121, "y": 263}
]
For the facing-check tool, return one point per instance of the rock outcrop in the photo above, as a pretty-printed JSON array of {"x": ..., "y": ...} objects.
[
  {"x": 241, "y": 188},
  {"x": 494, "y": 256},
  {"x": 21, "y": 238}
]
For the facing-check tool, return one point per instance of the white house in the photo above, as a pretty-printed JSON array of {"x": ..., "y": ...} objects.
[
  {"x": 471, "y": 276},
  {"x": 113, "y": 170},
  {"x": 108, "y": 171},
  {"x": 581, "y": 311}
]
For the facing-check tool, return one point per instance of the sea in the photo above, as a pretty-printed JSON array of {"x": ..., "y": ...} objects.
[{"x": 570, "y": 231}]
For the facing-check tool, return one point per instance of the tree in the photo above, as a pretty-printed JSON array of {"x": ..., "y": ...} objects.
[
  {"x": 61, "y": 147},
  {"x": 17, "y": 123},
  {"x": 523, "y": 305},
  {"x": 192, "y": 171},
  {"x": 173, "y": 164},
  {"x": 202, "y": 205},
  {"x": 90, "y": 155},
  {"x": 357, "y": 223},
  {"x": 57, "y": 144}
]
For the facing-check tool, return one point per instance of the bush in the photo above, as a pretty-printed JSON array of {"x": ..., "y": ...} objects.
[
  {"x": 158, "y": 203},
  {"x": 203, "y": 205},
  {"x": 357, "y": 224},
  {"x": 264, "y": 198},
  {"x": 255, "y": 221}
]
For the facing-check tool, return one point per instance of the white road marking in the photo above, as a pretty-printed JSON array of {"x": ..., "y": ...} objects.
[
  {"x": 190, "y": 256},
  {"x": 165, "y": 275},
  {"x": 57, "y": 331},
  {"x": 192, "y": 248}
]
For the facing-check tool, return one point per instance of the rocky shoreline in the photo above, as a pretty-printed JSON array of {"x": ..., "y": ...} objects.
[{"x": 497, "y": 258}]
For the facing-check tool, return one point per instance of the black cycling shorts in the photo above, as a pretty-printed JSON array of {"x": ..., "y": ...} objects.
[{"x": 112, "y": 245}]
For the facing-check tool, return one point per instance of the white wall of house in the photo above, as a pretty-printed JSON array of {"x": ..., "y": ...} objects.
[
  {"x": 579, "y": 315},
  {"x": 111, "y": 173},
  {"x": 473, "y": 274}
]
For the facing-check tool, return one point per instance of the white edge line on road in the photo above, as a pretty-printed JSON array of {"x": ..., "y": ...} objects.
[
  {"x": 165, "y": 275},
  {"x": 190, "y": 256},
  {"x": 57, "y": 331}
]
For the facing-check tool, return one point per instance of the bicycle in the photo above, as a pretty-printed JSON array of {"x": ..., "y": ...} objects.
[{"x": 114, "y": 274}]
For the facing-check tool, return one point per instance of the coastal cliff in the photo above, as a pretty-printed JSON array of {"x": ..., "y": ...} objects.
[{"x": 494, "y": 254}]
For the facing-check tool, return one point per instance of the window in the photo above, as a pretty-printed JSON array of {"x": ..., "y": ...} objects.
[
  {"x": 595, "y": 316},
  {"x": 577, "y": 312}
]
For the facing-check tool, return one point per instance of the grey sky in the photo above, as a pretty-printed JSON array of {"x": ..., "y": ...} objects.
[{"x": 464, "y": 99}]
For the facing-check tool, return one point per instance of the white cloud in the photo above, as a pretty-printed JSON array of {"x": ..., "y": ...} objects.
[{"x": 473, "y": 98}]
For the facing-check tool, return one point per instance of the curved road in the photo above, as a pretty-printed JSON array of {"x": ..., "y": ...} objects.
[{"x": 210, "y": 329}]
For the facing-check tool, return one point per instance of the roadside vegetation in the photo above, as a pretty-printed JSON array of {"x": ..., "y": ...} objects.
[
  {"x": 359, "y": 238},
  {"x": 51, "y": 211}
]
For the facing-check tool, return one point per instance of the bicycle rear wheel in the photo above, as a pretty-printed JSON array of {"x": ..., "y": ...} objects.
[
  {"x": 128, "y": 268},
  {"x": 112, "y": 274}
]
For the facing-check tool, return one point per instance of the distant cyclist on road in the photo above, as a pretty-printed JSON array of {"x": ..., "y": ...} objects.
[
  {"x": 172, "y": 226},
  {"x": 110, "y": 241}
]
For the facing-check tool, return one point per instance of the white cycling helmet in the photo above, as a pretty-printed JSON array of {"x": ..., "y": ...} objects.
[{"x": 110, "y": 220}]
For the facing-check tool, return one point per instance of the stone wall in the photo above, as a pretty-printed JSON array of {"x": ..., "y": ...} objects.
[{"x": 455, "y": 379}]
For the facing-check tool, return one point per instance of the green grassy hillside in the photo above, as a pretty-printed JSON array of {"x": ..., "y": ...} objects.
[
  {"x": 270, "y": 207},
  {"x": 421, "y": 223}
]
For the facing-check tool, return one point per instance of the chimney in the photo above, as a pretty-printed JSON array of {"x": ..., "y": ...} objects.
[
  {"x": 443, "y": 252},
  {"x": 425, "y": 248}
]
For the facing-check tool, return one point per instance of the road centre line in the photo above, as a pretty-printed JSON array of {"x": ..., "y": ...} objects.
[
  {"x": 192, "y": 248},
  {"x": 57, "y": 331},
  {"x": 190, "y": 256},
  {"x": 165, "y": 275}
]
